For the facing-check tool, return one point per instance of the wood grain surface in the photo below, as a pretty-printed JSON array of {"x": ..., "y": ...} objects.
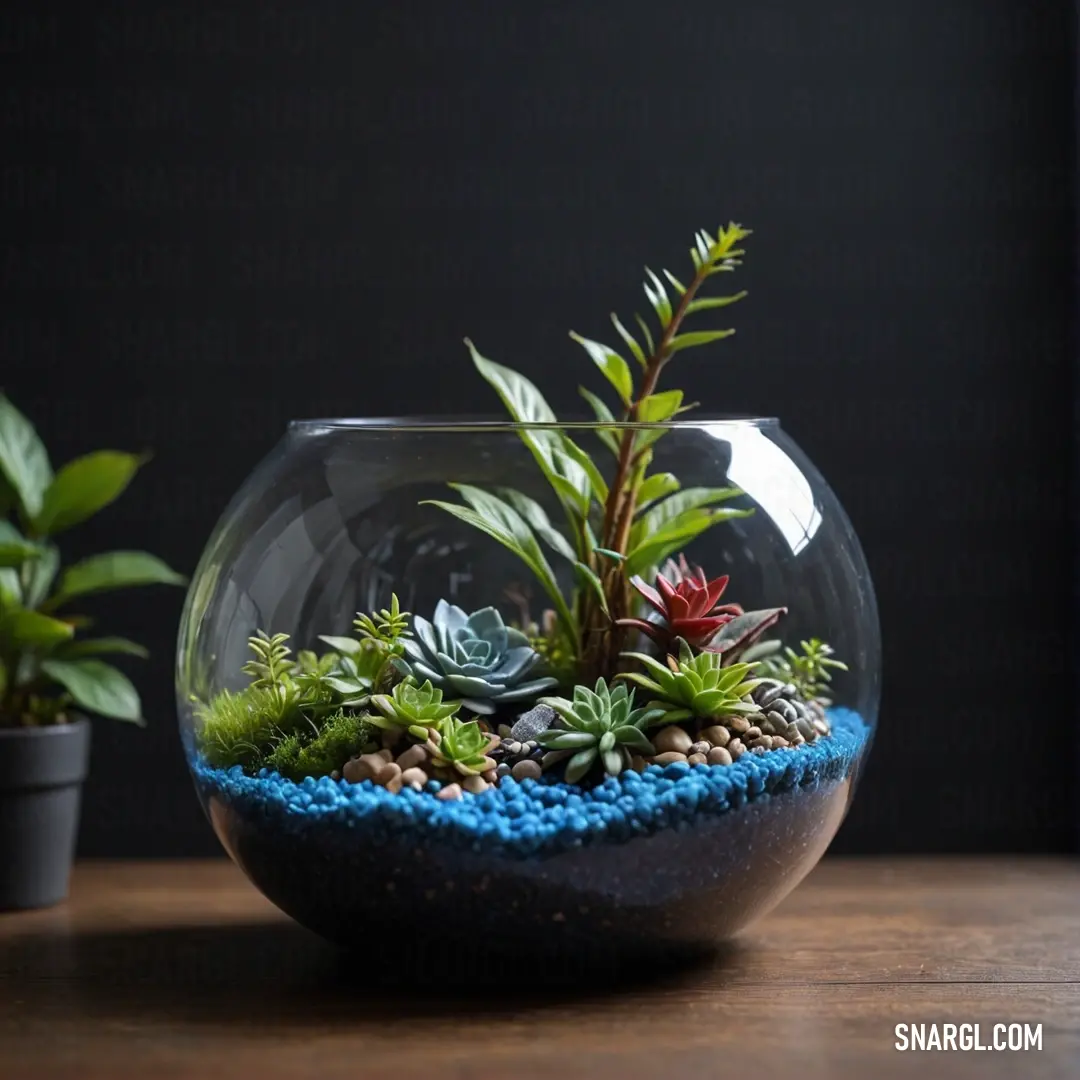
[{"x": 181, "y": 969}]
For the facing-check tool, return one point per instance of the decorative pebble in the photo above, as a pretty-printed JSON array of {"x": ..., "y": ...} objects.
[
  {"x": 490, "y": 775},
  {"x": 504, "y": 731},
  {"x": 718, "y": 735},
  {"x": 513, "y": 748},
  {"x": 821, "y": 726},
  {"x": 415, "y": 756},
  {"x": 390, "y": 737},
  {"x": 526, "y": 770},
  {"x": 474, "y": 784},
  {"x": 386, "y": 754},
  {"x": 701, "y": 747},
  {"x": 738, "y": 724},
  {"x": 697, "y": 759},
  {"x": 719, "y": 755},
  {"x": 778, "y": 742},
  {"x": 751, "y": 733},
  {"x": 806, "y": 728},
  {"x": 414, "y": 777},
  {"x": 672, "y": 739},
  {"x": 764, "y": 742},
  {"x": 736, "y": 748},
  {"x": 502, "y": 770},
  {"x": 669, "y": 757},
  {"x": 391, "y": 770},
  {"x": 451, "y": 791},
  {"x": 768, "y": 693}
]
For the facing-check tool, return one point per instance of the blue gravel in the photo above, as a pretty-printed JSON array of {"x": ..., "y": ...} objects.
[{"x": 531, "y": 818}]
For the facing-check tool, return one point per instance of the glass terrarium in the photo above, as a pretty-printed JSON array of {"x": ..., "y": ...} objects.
[{"x": 595, "y": 689}]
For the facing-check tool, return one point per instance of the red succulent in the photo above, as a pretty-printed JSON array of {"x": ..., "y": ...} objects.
[{"x": 688, "y": 605}]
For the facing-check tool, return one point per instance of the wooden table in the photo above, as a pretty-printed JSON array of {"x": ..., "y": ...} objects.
[{"x": 161, "y": 970}]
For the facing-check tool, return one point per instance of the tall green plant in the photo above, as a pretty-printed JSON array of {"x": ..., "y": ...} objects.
[
  {"x": 46, "y": 665},
  {"x": 626, "y": 520}
]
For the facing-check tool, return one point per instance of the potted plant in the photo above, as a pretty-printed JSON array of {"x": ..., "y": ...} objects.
[{"x": 51, "y": 666}]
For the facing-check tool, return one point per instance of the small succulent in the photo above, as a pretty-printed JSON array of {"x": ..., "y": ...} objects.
[
  {"x": 689, "y": 609},
  {"x": 809, "y": 672},
  {"x": 417, "y": 709},
  {"x": 477, "y": 657},
  {"x": 367, "y": 662},
  {"x": 388, "y": 628},
  {"x": 461, "y": 747},
  {"x": 696, "y": 686},
  {"x": 601, "y": 725}
]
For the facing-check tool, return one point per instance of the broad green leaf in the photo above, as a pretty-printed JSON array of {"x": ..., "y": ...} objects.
[
  {"x": 568, "y": 492},
  {"x": 27, "y": 629},
  {"x": 100, "y": 646},
  {"x": 656, "y": 487},
  {"x": 538, "y": 520},
  {"x": 596, "y": 479},
  {"x": 631, "y": 341},
  {"x": 24, "y": 462},
  {"x": 654, "y": 547},
  {"x": 503, "y": 523},
  {"x": 10, "y": 589},
  {"x": 15, "y": 549},
  {"x": 526, "y": 405},
  {"x": 659, "y": 407},
  {"x": 98, "y": 687},
  {"x": 709, "y": 302},
  {"x": 661, "y": 515},
  {"x": 699, "y": 337},
  {"x": 7, "y": 496},
  {"x": 112, "y": 570},
  {"x": 42, "y": 575},
  {"x": 83, "y": 487},
  {"x": 658, "y": 298},
  {"x": 614, "y": 367},
  {"x": 603, "y": 414},
  {"x": 588, "y": 577}
]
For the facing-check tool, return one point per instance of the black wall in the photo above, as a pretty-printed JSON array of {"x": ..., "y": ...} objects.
[{"x": 215, "y": 222}]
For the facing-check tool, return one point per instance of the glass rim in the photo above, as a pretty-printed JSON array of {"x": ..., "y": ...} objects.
[{"x": 474, "y": 424}]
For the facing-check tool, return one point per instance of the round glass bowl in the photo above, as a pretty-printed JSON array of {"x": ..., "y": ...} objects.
[{"x": 435, "y": 761}]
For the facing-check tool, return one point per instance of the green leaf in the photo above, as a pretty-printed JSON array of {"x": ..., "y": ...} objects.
[
  {"x": 658, "y": 298},
  {"x": 83, "y": 487},
  {"x": 675, "y": 506},
  {"x": 15, "y": 549},
  {"x": 604, "y": 416},
  {"x": 538, "y": 520},
  {"x": 656, "y": 408},
  {"x": 31, "y": 629},
  {"x": 101, "y": 646},
  {"x": 503, "y": 523},
  {"x": 596, "y": 480},
  {"x": 526, "y": 405},
  {"x": 347, "y": 645},
  {"x": 699, "y": 337},
  {"x": 646, "y": 333},
  {"x": 615, "y": 556},
  {"x": 680, "y": 288},
  {"x": 24, "y": 462},
  {"x": 656, "y": 487},
  {"x": 42, "y": 575},
  {"x": 113, "y": 570},
  {"x": 631, "y": 341},
  {"x": 708, "y": 303},
  {"x": 98, "y": 687},
  {"x": 591, "y": 580},
  {"x": 614, "y": 367},
  {"x": 654, "y": 547},
  {"x": 10, "y": 589},
  {"x": 579, "y": 765}
]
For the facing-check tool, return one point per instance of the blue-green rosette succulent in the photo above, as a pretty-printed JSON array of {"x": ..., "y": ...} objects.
[{"x": 476, "y": 658}]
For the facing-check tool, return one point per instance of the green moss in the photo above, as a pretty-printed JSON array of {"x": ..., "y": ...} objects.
[
  {"x": 341, "y": 736},
  {"x": 242, "y": 728}
]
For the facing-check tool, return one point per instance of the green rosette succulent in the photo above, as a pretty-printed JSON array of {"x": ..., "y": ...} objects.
[
  {"x": 476, "y": 657},
  {"x": 601, "y": 726},
  {"x": 416, "y": 709},
  {"x": 696, "y": 686},
  {"x": 461, "y": 746}
]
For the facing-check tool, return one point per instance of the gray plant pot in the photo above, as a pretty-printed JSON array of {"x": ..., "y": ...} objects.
[{"x": 41, "y": 776}]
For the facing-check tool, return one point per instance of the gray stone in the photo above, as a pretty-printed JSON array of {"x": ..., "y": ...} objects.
[
  {"x": 502, "y": 770},
  {"x": 532, "y": 723},
  {"x": 767, "y": 693}
]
